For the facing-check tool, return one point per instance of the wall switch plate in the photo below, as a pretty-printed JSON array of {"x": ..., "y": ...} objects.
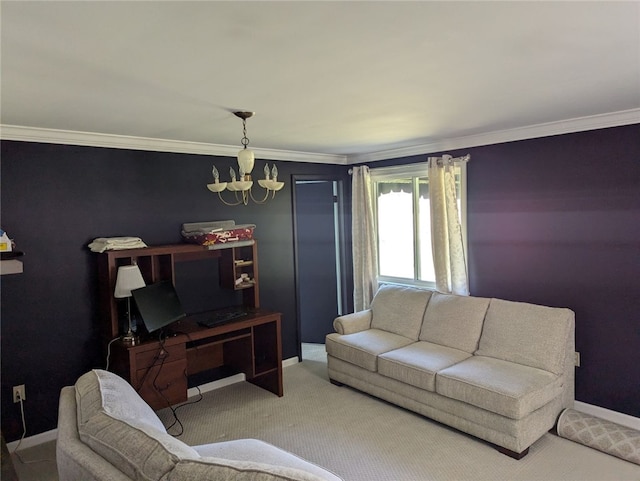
[
  {"x": 577, "y": 361},
  {"x": 19, "y": 393}
]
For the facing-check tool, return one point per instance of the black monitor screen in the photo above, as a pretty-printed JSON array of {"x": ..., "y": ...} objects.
[{"x": 158, "y": 305}]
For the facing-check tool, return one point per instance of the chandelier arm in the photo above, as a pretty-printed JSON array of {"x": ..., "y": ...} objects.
[
  {"x": 229, "y": 203},
  {"x": 264, "y": 199}
]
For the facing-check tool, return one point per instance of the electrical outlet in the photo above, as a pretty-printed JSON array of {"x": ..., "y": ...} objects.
[
  {"x": 577, "y": 361},
  {"x": 18, "y": 393}
]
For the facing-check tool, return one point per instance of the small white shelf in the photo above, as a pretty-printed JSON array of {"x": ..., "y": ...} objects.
[{"x": 10, "y": 266}]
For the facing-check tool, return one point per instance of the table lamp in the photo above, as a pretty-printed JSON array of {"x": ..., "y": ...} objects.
[{"x": 129, "y": 278}]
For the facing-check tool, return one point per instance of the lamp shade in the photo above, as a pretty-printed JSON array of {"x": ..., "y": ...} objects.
[{"x": 129, "y": 278}]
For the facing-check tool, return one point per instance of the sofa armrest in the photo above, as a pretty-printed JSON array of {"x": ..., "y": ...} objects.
[{"x": 354, "y": 322}]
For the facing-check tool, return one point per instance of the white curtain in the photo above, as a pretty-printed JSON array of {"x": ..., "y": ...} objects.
[
  {"x": 365, "y": 250},
  {"x": 446, "y": 233}
]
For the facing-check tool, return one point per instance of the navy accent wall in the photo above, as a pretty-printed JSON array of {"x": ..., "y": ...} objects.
[
  {"x": 57, "y": 198},
  {"x": 554, "y": 220}
]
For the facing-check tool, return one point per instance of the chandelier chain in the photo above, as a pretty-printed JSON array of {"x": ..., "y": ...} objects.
[{"x": 245, "y": 139}]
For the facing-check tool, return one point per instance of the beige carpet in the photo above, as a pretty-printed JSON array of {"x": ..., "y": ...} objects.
[{"x": 361, "y": 438}]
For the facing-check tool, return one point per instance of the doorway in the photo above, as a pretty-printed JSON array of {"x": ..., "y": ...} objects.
[{"x": 319, "y": 256}]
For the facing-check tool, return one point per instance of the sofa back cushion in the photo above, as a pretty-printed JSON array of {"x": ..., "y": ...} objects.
[
  {"x": 454, "y": 321},
  {"x": 399, "y": 309},
  {"x": 119, "y": 425},
  {"x": 528, "y": 334}
]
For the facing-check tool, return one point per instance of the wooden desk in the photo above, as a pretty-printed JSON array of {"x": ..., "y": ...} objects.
[{"x": 158, "y": 370}]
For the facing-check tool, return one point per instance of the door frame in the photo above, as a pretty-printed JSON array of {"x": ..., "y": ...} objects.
[{"x": 343, "y": 257}]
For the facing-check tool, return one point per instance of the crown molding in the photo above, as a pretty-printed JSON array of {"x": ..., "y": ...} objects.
[
  {"x": 91, "y": 139},
  {"x": 593, "y": 122}
]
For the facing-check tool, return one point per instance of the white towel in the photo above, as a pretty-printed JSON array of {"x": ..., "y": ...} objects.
[{"x": 102, "y": 244}]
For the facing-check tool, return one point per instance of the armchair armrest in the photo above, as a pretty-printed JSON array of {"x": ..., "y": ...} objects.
[{"x": 354, "y": 322}]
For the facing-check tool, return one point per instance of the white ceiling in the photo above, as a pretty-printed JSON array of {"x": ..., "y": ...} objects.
[{"x": 346, "y": 79}]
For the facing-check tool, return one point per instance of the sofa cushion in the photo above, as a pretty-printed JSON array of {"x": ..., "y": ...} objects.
[
  {"x": 261, "y": 452},
  {"x": 362, "y": 348},
  {"x": 418, "y": 363},
  {"x": 116, "y": 423},
  {"x": 528, "y": 334},
  {"x": 502, "y": 387},
  {"x": 454, "y": 321},
  {"x": 399, "y": 310}
]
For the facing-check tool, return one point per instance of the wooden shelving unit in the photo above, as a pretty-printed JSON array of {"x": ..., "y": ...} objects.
[
  {"x": 159, "y": 369},
  {"x": 157, "y": 263}
]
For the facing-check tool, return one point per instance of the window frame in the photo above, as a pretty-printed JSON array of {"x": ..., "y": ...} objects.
[{"x": 414, "y": 171}]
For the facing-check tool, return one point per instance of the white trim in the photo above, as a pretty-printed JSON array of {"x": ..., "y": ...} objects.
[
  {"x": 91, "y": 139},
  {"x": 228, "y": 381},
  {"x": 601, "y": 121},
  {"x": 608, "y": 415},
  {"x": 68, "y": 137},
  {"x": 213, "y": 385},
  {"x": 290, "y": 362}
]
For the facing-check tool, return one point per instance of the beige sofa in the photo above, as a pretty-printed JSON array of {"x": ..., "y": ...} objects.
[
  {"x": 499, "y": 370},
  {"x": 107, "y": 432}
]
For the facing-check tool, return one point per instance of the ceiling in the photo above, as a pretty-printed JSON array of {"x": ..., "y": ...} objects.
[{"x": 344, "y": 80}]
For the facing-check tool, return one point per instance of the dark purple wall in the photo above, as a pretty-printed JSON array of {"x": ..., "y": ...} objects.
[
  {"x": 57, "y": 198},
  {"x": 554, "y": 221}
]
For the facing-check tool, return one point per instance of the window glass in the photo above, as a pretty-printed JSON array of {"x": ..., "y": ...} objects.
[
  {"x": 403, "y": 218},
  {"x": 395, "y": 228}
]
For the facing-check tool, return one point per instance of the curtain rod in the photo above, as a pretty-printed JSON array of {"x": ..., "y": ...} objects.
[{"x": 464, "y": 158}]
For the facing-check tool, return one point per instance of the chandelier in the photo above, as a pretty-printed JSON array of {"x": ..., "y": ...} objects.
[{"x": 241, "y": 185}]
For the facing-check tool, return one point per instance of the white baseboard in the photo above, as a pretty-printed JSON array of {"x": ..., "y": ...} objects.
[
  {"x": 212, "y": 386},
  {"x": 608, "y": 415},
  {"x": 290, "y": 362},
  {"x": 228, "y": 381}
]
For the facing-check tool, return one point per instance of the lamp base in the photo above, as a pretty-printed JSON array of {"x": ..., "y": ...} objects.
[{"x": 130, "y": 338}]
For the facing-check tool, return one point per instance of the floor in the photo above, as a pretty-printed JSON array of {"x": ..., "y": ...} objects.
[{"x": 38, "y": 463}]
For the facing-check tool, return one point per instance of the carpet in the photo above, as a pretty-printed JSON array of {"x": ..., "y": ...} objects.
[{"x": 362, "y": 438}]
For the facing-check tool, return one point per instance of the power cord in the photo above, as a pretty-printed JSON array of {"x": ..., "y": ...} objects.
[
  {"x": 109, "y": 351},
  {"x": 174, "y": 410},
  {"x": 24, "y": 432}
]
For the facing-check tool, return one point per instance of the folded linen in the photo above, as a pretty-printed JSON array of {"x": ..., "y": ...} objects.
[{"x": 102, "y": 244}]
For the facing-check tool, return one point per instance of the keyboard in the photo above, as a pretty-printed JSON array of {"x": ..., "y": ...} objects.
[{"x": 217, "y": 318}]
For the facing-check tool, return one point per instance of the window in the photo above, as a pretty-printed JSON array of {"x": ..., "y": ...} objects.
[{"x": 403, "y": 222}]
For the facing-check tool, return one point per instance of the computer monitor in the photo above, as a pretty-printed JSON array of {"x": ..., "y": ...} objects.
[{"x": 158, "y": 305}]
